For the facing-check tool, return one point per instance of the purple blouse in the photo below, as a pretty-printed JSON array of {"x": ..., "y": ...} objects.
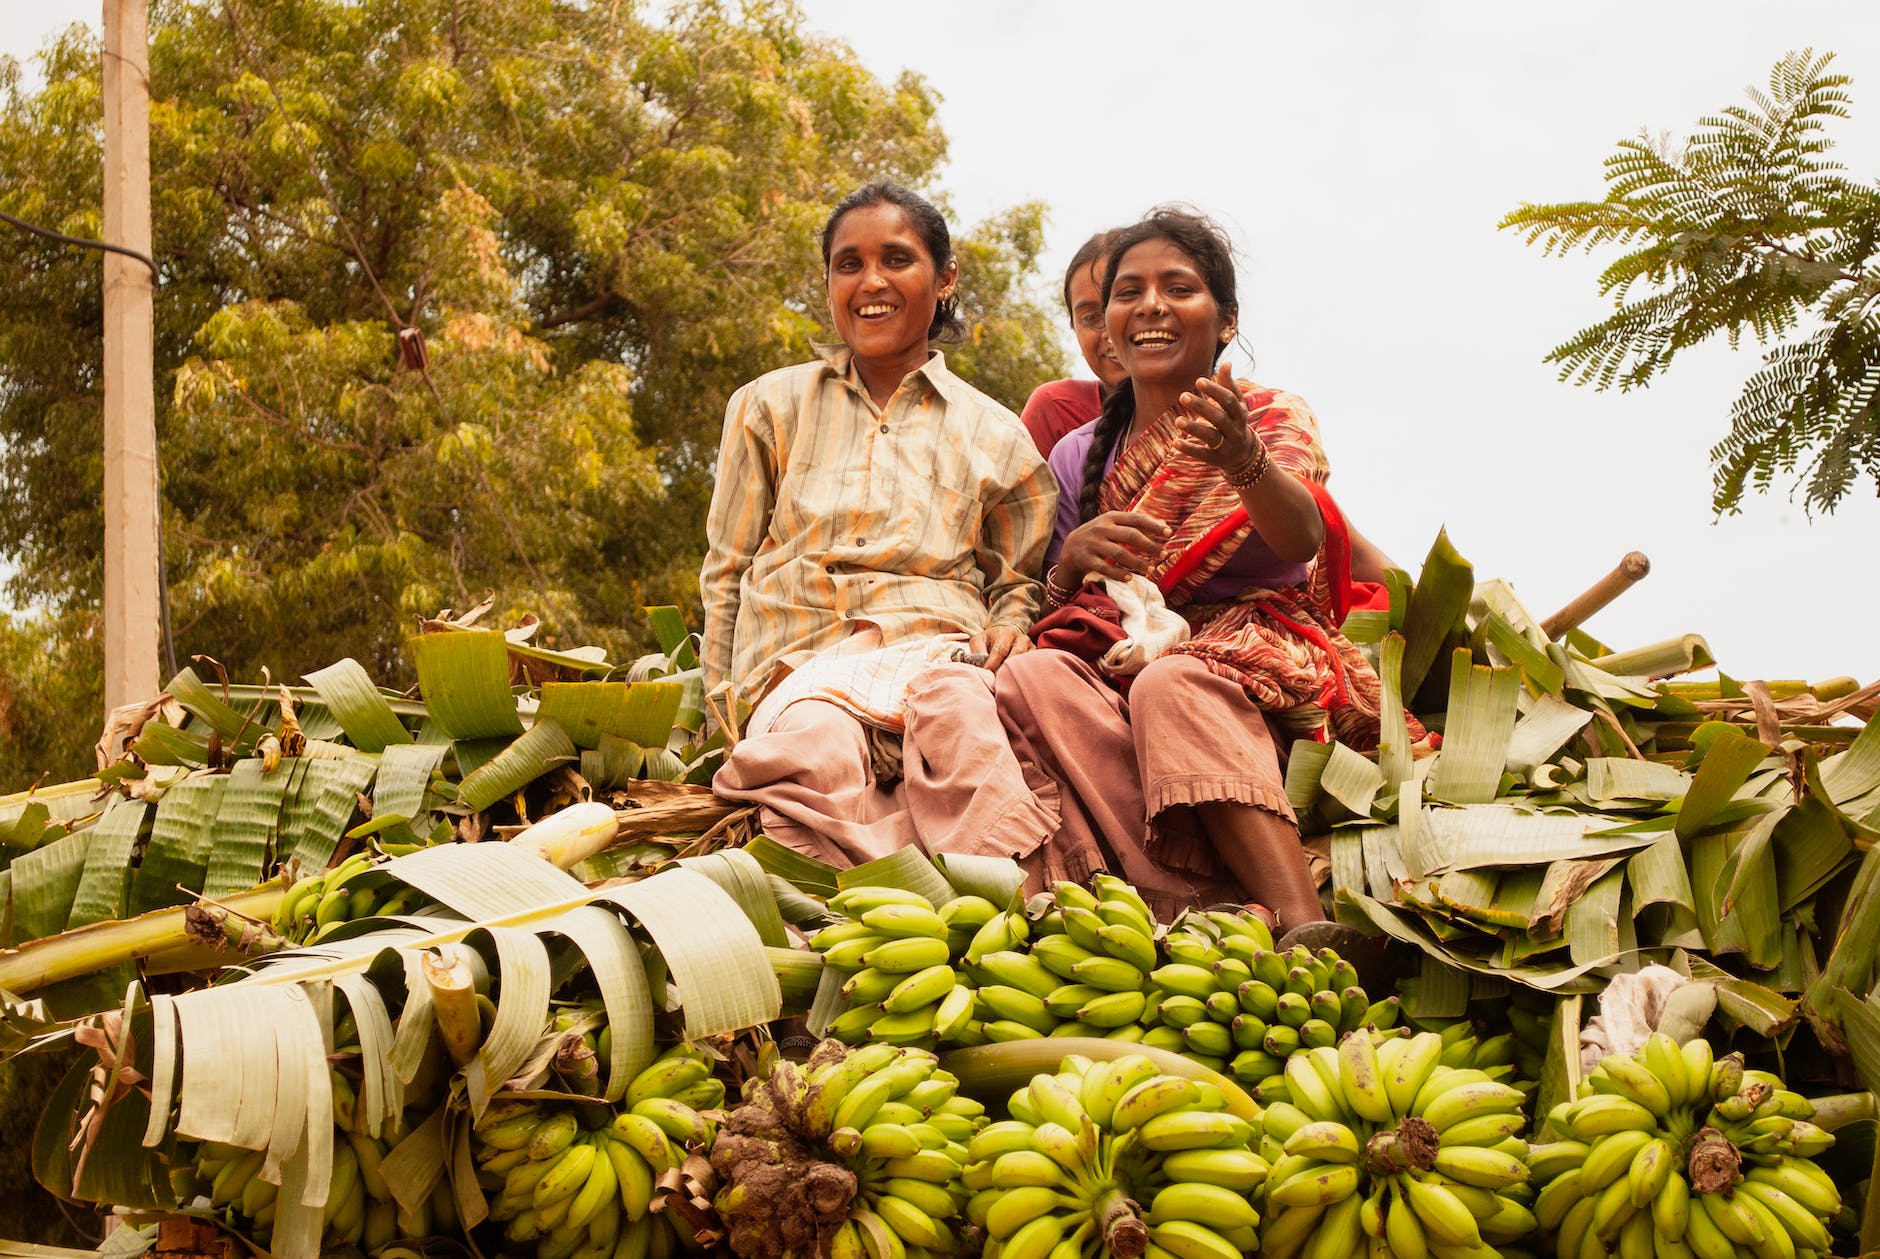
[{"x": 1253, "y": 567}]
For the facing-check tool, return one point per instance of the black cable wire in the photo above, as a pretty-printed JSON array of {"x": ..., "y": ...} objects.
[
  {"x": 163, "y": 583},
  {"x": 80, "y": 241}
]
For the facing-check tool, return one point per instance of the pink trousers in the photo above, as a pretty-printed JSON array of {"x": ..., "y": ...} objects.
[
  {"x": 1127, "y": 769},
  {"x": 961, "y": 790}
]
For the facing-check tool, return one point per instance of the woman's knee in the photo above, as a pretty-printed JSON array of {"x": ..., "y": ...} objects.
[
  {"x": 1025, "y": 677},
  {"x": 1168, "y": 679}
]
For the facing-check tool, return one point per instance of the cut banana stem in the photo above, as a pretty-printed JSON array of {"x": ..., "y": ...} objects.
[
  {"x": 572, "y": 835},
  {"x": 452, "y": 979}
]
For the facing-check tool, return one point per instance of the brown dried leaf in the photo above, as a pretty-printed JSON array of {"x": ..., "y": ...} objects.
[{"x": 112, "y": 1079}]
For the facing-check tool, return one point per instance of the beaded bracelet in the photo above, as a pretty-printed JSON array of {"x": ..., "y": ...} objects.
[
  {"x": 1247, "y": 474},
  {"x": 1054, "y": 594}
]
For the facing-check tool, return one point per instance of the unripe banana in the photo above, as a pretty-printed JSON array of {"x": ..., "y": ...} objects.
[
  {"x": 1211, "y": 1205},
  {"x": 1010, "y": 1210},
  {"x": 855, "y": 902},
  {"x": 1127, "y": 944},
  {"x": 1444, "y": 1218},
  {"x": 647, "y": 1139},
  {"x": 1239, "y": 1170},
  {"x": 1326, "y": 1141},
  {"x": 565, "y": 1177},
  {"x": 1651, "y": 1168},
  {"x": 601, "y": 1187},
  {"x": 1113, "y": 1009},
  {"x": 1019, "y": 1168},
  {"x": 1626, "y": 1077},
  {"x": 907, "y": 954},
  {"x": 922, "y": 988},
  {"x": 1482, "y": 1168},
  {"x": 1319, "y": 1185},
  {"x": 901, "y": 921},
  {"x": 1187, "y": 1240},
  {"x": 1193, "y": 1129},
  {"x": 1110, "y": 974},
  {"x": 1152, "y": 1097},
  {"x": 1403, "y": 1232},
  {"x": 1611, "y": 1157},
  {"x": 1604, "y": 1113}
]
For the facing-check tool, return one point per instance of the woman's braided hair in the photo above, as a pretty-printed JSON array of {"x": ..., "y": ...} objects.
[{"x": 1205, "y": 243}]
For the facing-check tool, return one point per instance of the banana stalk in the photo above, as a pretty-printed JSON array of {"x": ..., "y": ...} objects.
[
  {"x": 798, "y": 972},
  {"x": 1843, "y": 1108},
  {"x": 454, "y": 998},
  {"x": 996, "y": 1070},
  {"x": 162, "y": 935},
  {"x": 570, "y": 836}
]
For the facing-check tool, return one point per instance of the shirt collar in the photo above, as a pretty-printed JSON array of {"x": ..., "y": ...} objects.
[{"x": 938, "y": 377}]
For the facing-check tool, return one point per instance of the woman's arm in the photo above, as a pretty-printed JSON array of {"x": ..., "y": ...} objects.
[
  {"x": 1013, "y": 534},
  {"x": 1368, "y": 563},
  {"x": 743, "y": 496},
  {"x": 1220, "y": 431}
]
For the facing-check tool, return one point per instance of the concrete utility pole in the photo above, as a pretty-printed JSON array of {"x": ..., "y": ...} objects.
[{"x": 131, "y": 593}]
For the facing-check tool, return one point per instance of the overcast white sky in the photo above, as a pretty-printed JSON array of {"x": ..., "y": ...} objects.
[{"x": 1362, "y": 154}]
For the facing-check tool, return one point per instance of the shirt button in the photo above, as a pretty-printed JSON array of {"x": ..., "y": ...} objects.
[
  {"x": 884, "y": 428},
  {"x": 861, "y": 542}
]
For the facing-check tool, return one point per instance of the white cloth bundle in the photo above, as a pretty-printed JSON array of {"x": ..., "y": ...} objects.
[{"x": 1149, "y": 627}]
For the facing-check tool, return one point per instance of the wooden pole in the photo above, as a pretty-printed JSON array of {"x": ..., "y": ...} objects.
[
  {"x": 131, "y": 594},
  {"x": 1629, "y": 572}
]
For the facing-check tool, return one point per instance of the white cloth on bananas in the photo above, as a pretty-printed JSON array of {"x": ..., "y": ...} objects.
[{"x": 1631, "y": 1009}]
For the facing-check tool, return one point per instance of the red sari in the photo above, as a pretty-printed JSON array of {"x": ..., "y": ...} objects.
[{"x": 1283, "y": 645}]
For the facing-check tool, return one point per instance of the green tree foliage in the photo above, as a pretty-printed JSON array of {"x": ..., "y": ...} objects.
[
  {"x": 1744, "y": 226},
  {"x": 598, "y": 218},
  {"x": 51, "y": 695}
]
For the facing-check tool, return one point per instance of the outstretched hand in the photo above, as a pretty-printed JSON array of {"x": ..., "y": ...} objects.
[{"x": 1216, "y": 426}]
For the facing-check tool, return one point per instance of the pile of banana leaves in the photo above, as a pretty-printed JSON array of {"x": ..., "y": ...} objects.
[
  {"x": 1583, "y": 815},
  {"x": 1576, "y": 814},
  {"x": 216, "y": 794}
]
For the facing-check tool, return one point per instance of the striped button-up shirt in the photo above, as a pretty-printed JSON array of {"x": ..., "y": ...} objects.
[{"x": 927, "y": 516}]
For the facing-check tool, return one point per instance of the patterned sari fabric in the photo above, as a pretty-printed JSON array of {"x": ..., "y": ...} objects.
[{"x": 1283, "y": 645}]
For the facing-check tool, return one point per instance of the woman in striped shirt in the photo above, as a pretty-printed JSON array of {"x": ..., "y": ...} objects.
[{"x": 873, "y": 536}]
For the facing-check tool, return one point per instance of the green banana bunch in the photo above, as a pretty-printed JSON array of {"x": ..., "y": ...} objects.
[
  {"x": 577, "y": 1178},
  {"x": 1234, "y": 1003},
  {"x": 359, "y": 1208},
  {"x": 1084, "y": 974},
  {"x": 897, "y": 954},
  {"x": 1514, "y": 1056},
  {"x": 857, "y": 1153},
  {"x": 967, "y": 972},
  {"x": 314, "y": 906},
  {"x": 1383, "y": 1150},
  {"x": 1094, "y": 962},
  {"x": 1673, "y": 1153},
  {"x": 1109, "y": 1158}
]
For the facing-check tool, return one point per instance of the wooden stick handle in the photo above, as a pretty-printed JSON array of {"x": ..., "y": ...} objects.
[{"x": 1621, "y": 579}]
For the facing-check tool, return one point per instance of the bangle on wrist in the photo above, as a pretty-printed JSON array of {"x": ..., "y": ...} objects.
[
  {"x": 1056, "y": 595},
  {"x": 1247, "y": 473}
]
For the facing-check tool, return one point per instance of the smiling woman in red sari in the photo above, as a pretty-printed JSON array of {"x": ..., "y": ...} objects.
[{"x": 1212, "y": 489}]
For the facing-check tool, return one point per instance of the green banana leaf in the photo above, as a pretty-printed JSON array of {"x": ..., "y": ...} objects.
[
  {"x": 1437, "y": 608},
  {"x": 464, "y": 678},
  {"x": 1481, "y": 719}
]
